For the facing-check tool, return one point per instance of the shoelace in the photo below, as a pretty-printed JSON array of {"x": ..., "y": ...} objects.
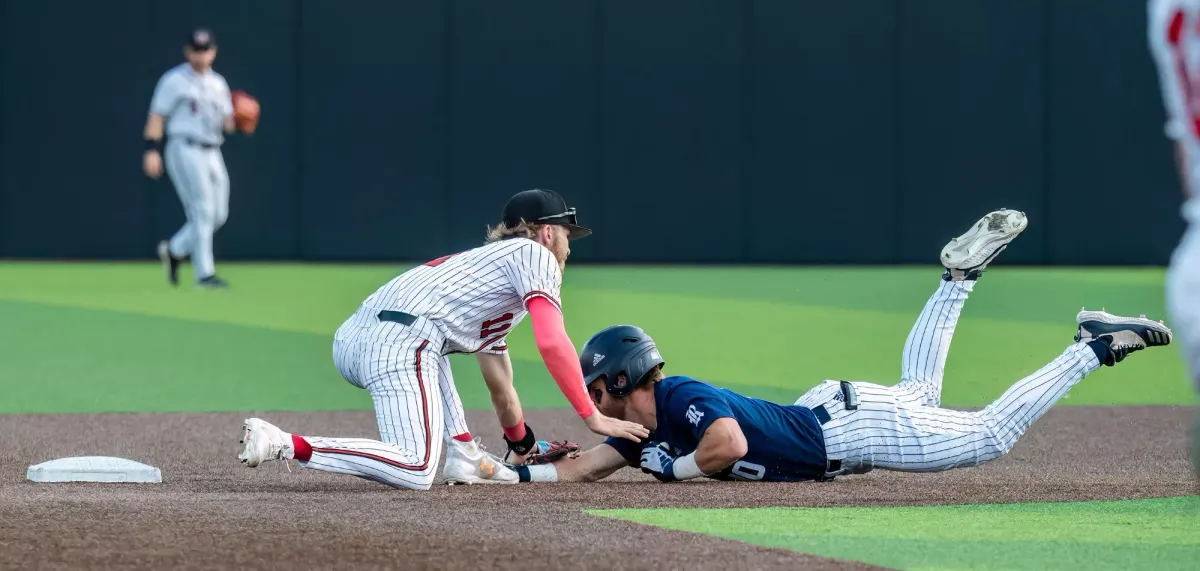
[
  {"x": 487, "y": 458},
  {"x": 1122, "y": 347},
  {"x": 276, "y": 450}
]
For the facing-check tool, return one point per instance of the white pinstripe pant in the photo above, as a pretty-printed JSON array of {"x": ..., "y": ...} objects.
[
  {"x": 1183, "y": 299},
  {"x": 397, "y": 364},
  {"x": 1183, "y": 306},
  {"x": 902, "y": 428}
]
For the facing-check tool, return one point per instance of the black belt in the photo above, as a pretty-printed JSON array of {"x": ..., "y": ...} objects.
[
  {"x": 194, "y": 143},
  {"x": 397, "y": 317},
  {"x": 823, "y": 417},
  {"x": 822, "y": 414},
  {"x": 850, "y": 399}
]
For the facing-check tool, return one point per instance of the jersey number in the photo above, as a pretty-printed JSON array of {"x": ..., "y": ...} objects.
[
  {"x": 743, "y": 470},
  {"x": 495, "y": 326}
]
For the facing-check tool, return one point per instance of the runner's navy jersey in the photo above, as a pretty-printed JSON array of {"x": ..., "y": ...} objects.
[{"x": 784, "y": 443}]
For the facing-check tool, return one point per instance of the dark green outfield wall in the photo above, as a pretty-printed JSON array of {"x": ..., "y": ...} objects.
[{"x": 772, "y": 131}]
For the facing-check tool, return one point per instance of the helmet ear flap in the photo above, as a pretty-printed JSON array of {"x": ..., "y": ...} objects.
[{"x": 617, "y": 385}]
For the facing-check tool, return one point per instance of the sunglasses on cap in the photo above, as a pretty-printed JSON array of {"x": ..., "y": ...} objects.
[{"x": 567, "y": 217}]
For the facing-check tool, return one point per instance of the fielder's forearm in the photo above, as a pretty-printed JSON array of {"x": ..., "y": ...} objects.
[
  {"x": 498, "y": 376},
  {"x": 154, "y": 128},
  {"x": 559, "y": 354}
]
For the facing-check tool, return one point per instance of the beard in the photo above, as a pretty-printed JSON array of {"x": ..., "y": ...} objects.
[{"x": 561, "y": 250}]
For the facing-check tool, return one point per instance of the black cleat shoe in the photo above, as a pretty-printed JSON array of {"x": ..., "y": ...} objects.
[
  {"x": 966, "y": 256},
  {"x": 1120, "y": 335},
  {"x": 212, "y": 282},
  {"x": 170, "y": 263}
]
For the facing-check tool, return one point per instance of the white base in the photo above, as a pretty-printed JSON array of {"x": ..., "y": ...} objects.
[{"x": 94, "y": 469}]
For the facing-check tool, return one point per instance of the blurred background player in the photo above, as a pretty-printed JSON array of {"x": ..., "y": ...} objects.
[
  {"x": 1174, "y": 35},
  {"x": 396, "y": 346},
  {"x": 838, "y": 427},
  {"x": 193, "y": 109}
]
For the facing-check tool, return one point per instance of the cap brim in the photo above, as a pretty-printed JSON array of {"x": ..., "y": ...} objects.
[{"x": 575, "y": 232}]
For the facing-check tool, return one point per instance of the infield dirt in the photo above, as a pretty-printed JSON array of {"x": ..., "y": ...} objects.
[{"x": 212, "y": 512}]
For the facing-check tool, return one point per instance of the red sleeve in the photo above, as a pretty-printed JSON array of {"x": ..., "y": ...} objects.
[{"x": 559, "y": 353}]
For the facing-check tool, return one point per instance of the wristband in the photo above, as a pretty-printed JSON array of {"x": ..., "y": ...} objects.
[
  {"x": 537, "y": 473},
  {"x": 154, "y": 144},
  {"x": 525, "y": 445},
  {"x": 685, "y": 467}
]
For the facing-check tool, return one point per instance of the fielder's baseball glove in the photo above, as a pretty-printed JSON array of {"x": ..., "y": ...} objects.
[
  {"x": 548, "y": 451},
  {"x": 245, "y": 111}
]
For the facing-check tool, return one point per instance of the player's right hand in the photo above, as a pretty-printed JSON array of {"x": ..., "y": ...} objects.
[
  {"x": 152, "y": 164},
  {"x": 609, "y": 426}
]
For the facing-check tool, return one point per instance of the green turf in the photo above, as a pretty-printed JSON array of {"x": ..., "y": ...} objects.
[
  {"x": 113, "y": 337},
  {"x": 1157, "y": 534}
]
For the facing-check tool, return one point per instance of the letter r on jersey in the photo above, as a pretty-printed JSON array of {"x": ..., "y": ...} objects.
[{"x": 693, "y": 415}]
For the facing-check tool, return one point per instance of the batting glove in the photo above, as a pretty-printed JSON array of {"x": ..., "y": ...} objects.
[{"x": 658, "y": 461}]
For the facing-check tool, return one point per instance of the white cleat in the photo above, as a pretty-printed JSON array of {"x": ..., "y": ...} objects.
[
  {"x": 264, "y": 442},
  {"x": 469, "y": 463},
  {"x": 966, "y": 256}
]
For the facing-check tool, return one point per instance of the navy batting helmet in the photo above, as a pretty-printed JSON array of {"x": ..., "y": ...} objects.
[{"x": 620, "y": 349}]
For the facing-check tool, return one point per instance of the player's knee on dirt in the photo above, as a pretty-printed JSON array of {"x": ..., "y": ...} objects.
[
  {"x": 419, "y": 481},
  {"x": 424, "y": 482}
]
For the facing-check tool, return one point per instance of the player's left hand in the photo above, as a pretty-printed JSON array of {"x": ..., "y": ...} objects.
[{"x": 658, "y": 461}]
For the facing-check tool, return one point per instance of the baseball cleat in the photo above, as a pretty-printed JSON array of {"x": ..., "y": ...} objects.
[
  {"x": 264, "y": 442},
  {"x": 469, "y": 463},
  {"x": 966, "y": 256},
  {"x": 170, "y": 263},
  {"x": 1121, "y": 335},
  {"x": 212, "y": 282}
]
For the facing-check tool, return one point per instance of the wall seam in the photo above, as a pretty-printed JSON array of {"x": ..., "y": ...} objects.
[{"x": 298, "y": 37}]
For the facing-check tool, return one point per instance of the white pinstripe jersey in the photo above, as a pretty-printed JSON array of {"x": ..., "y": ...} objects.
[{"x": 475, "y": 297}]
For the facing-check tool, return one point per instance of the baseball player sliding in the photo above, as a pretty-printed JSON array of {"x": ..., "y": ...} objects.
[
  {"x": 839, "y": 427},
  {"x": 396, "y": 346},
  {"x": 193, "y": 107},
  {"x": 1174, "y": 33}
]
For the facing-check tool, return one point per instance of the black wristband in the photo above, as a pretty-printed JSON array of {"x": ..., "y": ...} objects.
[
  {"x": 525, "y": 445},
  {"x": 154, "y": 144}
]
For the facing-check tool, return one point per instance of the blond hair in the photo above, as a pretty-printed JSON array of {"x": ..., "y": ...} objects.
[
  {"x": 653, "y": 377},
  {"x": 503, "y": 231}
]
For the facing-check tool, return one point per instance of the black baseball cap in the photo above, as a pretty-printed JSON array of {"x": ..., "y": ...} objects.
[
  {"x": 201, "y": 39},
  {"x": 540, "y": 206}
]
